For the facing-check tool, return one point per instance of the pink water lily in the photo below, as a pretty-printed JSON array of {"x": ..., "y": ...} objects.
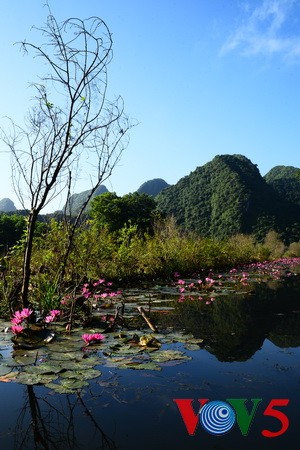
[
  {"x": 17, "y": 329},
  {"x": 95, "y": 337},
  {"x": 26, "y": 312},
  {"x": 49, "y": 319}
]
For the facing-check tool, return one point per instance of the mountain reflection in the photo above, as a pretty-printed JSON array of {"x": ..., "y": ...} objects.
[{"x": 235, "y": 326}]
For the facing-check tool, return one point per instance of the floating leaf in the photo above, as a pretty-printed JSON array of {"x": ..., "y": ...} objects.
[
  {"x": 84, "y": 374},
  {"x": 169, "y": 355},
  {"x": 141, "y": 366},
  {"x": 44, "y": 368},
  {"x": 62, "y": 389},
  {"x": 32, "y": 378},
  {"x": 126, "y": 350},
  {"x": 68, "y": 356},
  {"x": 4, "y": 370}
]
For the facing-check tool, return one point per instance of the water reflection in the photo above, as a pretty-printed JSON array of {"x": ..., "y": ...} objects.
[
  {"x": 54, "y": 422},
  {"x": 235, "y": 326},
  {"x": 251, "y": 351}
]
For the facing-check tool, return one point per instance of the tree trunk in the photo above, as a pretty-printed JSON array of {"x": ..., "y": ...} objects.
[{"x": 27, "y": 257}]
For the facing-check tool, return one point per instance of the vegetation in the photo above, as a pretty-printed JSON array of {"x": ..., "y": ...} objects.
[
  {"x": 112, "y": 212},
  {"x": 127, "y": 254},
  {"x": 228, "y": 196}
]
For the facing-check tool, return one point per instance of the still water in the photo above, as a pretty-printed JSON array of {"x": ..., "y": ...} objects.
[{"x": 251, "y": 350}]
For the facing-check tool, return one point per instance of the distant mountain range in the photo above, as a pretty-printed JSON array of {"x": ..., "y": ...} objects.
[{"x": 224, "y": 197}]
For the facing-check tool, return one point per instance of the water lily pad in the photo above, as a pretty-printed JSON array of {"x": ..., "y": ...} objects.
[
  {"x": 140, "y": 365},
  {"x": 69, "y": 385},
  {"x": 68, "y": 356},
  {"x": 84, "y": 374},
  {"x": 191, "y": 347},
  {"x": 33, "y": 378},
  {"x": 64, "y": 346},
  {"x": 44, "y": 368},
  {"x": 4, "y": 370},
  {"x": 66, "y": 389},
  {"x": 126, "y": 350},
  {"x": 74, "y": 365},
  {"x": 169, "y": 355},
  {"x": 25, "y": 357}
]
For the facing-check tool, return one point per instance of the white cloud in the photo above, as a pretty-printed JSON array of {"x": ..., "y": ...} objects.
[{"x": 264, "y": 31}]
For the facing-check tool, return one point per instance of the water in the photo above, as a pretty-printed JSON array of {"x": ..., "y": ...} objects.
[{"x": 251, "y": 350}]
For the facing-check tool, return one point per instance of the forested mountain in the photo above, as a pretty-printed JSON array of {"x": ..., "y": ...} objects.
[
  {"x": 227, "y": 196},
  {"x": 76, "y": 200},
  {"x": 7, "y": 205},
  {"x": 153, "y": 187},
  {"x": 286, "y": 182}
]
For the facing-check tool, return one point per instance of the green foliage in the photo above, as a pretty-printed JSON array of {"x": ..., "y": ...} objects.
[
  {"x": 113, "y": 212},
  {"x": 11, "y": 230},
  {"x": 275, "y": 245},
  {"x": 228, "y": 196},
  {"x": 286, "y": 182}
]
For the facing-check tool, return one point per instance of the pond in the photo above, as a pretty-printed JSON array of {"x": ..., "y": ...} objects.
[{"x": 238, "y": 345}]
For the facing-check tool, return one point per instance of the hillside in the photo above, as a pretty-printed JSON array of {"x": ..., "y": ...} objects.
[
  {"x": 7, "y": 205},
  {"x": 227, "y": 196},
  {"x": 285, "y": 180},
  {"x": 153, "y": 187},
  {"x": 77, "y": 200}
]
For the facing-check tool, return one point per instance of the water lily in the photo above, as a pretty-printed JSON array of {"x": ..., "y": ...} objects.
[
  {"x": 26, "y": 312},
  {"x": 17, "y": 329},
  {"x": 95, "y": 337},
  {"x": 49, "y": 319}
]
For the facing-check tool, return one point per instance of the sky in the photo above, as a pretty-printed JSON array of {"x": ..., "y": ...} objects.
[{"x": 201, "y": 77}]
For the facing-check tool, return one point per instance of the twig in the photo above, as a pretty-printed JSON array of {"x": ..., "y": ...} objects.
[{"x": 143, "y": 314}]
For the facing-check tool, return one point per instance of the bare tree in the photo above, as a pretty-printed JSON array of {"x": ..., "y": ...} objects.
[{"x": 72, "y": 120}]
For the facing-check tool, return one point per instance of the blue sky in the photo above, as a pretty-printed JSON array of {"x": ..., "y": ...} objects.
[{"x": 202, "y": 77}]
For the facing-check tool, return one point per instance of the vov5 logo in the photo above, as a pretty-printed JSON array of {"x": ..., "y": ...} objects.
[{"x": 218, "y": 417}]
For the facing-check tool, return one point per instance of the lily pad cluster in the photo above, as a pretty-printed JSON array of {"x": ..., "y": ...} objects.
[{"x": 67, "y": 363}]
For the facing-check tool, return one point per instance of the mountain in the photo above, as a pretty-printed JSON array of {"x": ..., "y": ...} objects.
[
  {"x": 153, "y": 187},
  {"x": 76, "y": 200},
  {"x": 6, "y": 205},
  {"x": 228, "y": 196},
  {"x": 285, "y": 180}
]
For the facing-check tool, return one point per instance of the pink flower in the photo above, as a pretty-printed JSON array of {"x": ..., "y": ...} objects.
[
  {"x": 96, "y": 337},
  {"x": 180, "y": 282},
  {"x": 112, "y": 294},
  {"x": 17, "y": 329},
  {"x": 55, "y": 312},
  {"x": 49, "y": 319},
  {"x": 17, "y": 320},
  {"x": 26, "y": 312}
]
